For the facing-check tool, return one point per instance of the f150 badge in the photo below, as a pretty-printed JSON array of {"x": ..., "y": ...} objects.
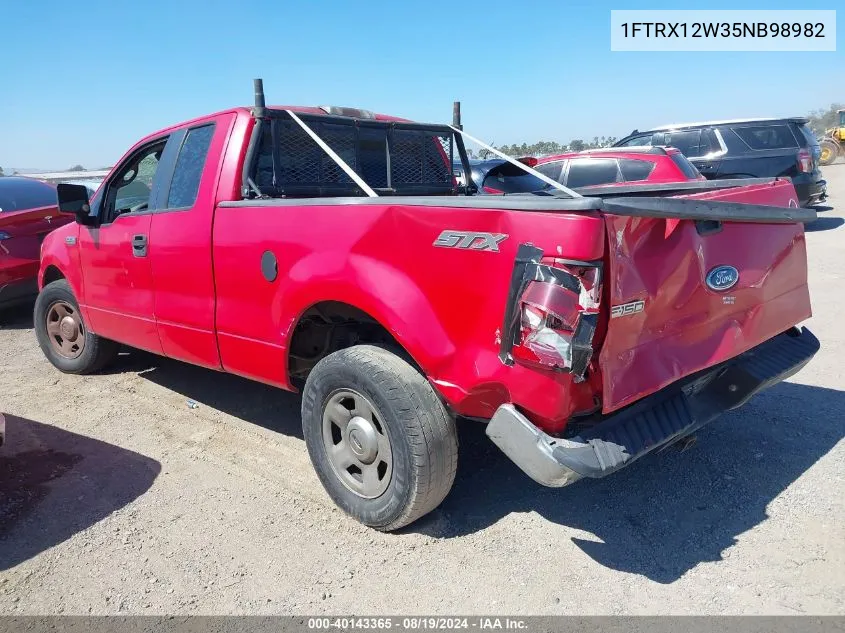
[
  {"x": 471, "y": 240},
  {"x": 722, "y": 278},
  {"x": 625, "y": 309}
]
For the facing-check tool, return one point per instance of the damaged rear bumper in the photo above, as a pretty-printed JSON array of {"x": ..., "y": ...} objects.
[{"x": 655, "y": 421}]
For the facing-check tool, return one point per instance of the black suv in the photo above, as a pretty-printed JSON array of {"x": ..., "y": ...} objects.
[{"x": 746, "y": 148}]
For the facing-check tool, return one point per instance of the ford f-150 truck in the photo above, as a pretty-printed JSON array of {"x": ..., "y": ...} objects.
[{"x": 332, "y": 251}]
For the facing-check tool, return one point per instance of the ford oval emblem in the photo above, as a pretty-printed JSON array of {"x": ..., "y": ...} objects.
[{"x": 722, "y": 278}]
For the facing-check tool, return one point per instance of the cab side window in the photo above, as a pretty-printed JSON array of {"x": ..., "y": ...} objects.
[
  {"x": 129, "y": 191},
  {"x": 189, "y": 167}
]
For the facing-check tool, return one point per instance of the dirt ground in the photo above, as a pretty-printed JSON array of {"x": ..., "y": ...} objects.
[{"x": 116, "y": 497}]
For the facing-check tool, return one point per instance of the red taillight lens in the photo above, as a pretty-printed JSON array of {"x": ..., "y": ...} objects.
[
  {"x": 543, "y": 342},
  {"x": 528, "y": 160},
  {"x": 805, "y": 162},
  {"x": 549, "y": 315}
]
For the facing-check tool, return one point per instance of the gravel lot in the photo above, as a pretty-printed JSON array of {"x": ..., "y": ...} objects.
[{"x": 116, "y": 497}]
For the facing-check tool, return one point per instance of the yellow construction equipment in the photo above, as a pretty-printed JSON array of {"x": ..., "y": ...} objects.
[{"x": 833, "y": 143}]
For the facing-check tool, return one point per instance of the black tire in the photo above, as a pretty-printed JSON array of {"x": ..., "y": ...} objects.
[
  {"x": 833, "y": 148},
  {"x": 97, "y": 351},
  {"x": 422, "y": 436}
]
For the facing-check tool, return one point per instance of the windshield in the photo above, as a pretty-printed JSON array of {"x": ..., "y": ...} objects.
[{"x": 17, "y": 194}]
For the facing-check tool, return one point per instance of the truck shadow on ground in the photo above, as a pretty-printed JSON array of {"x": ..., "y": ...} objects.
[
  {"x": 17, "y": 317},
  {"x": 824, "y": 224},
  {"x": 658, "y": 518},
  {"x": 54, "y": 484},
  {"x": 668, "y": 512},
  {"x": 270, "y": 407}
]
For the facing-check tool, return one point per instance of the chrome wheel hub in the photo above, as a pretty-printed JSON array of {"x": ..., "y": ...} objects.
[{"x": 357, "y": 444}]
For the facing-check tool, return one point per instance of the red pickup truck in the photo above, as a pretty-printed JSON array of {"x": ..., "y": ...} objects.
[{"x": 332, "y": 251}]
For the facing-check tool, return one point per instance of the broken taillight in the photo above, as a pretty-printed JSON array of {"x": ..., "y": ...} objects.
[{"x": 557, "y": 324}]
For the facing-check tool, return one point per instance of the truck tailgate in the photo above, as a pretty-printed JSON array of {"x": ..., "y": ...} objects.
[{"x": 668, "y": 320}]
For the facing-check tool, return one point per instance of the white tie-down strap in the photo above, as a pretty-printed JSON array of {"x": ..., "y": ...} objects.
[
  {"x": 333, "y": 155},
  {"x": 522, "y": 166}
]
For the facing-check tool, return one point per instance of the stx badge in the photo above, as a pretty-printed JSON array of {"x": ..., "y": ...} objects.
[
  {"x": 627, "y": 308},
  {"x": 470, "y": 239}
]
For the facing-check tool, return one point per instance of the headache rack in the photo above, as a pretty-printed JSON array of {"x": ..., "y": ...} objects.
[{"x": 286, "y": 157}]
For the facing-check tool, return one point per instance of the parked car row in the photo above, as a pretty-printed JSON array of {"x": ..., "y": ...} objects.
[
  {"x": 28, "y": 213},
  {"x": 594, "y": 168},
  {"x": 746, "y": 148},
  {"x": 739, "y": 149}
]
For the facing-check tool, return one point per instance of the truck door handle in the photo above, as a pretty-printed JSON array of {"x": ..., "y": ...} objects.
[{"x": 139, "y": 245}]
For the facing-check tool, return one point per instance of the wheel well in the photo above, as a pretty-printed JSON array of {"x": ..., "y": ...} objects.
[
  {"x": 52, "y": 274},
  {"x": 329, "y": 326}
]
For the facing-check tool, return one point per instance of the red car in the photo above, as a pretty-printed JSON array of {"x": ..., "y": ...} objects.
[
  {"x": 27, "y": 213},
  {"x": 613, "y": 167},
  {"x": 333, "y": 251}
]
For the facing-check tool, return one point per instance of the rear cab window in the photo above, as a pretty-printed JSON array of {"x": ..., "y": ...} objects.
[{"x": 391, "y": 157}]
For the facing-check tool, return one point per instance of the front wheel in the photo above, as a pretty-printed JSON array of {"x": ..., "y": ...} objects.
[
  {"x": 63, "y": 335},
  {"x": 381, "y": 441}
]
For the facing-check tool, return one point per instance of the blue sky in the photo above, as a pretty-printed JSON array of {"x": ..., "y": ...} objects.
[{"x": 80, "y": 82}]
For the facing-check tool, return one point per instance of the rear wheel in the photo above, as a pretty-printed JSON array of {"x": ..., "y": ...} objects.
[
  {"x": 63, "y": 335},
  {"x": 381, "y": 441},
  {"x": 830, "y": 150}
]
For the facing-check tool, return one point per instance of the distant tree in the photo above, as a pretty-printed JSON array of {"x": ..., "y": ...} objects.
[
  {"x": 550, "y": 148},
  {"x": 1, "y": 172},
  {"x": 77, "y": 168},
  {"x": 821, "y": 120}
]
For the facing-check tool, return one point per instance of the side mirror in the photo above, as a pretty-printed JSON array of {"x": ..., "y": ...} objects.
[{"x": 74, "y": 199}]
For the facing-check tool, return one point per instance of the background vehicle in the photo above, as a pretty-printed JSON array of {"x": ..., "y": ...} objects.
[
  {"x": 27, "y": 213},
  {"x": 833, "y": 142},
  {"x": 478, "y": 169},
  {"x": 746, "y": 148},
  {"x": 591, "y": 168},
  {"x": 335, "y": 253}
]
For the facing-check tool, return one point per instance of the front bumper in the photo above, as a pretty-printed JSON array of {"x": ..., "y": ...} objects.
[{"x": 655, "y": 421}]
